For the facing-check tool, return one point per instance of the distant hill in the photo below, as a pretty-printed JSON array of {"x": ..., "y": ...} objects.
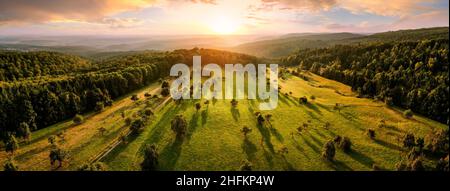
[{"x": 286, "y": 44}]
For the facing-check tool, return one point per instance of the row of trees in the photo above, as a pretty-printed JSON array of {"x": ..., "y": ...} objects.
[{"x": 411, "y": 75}]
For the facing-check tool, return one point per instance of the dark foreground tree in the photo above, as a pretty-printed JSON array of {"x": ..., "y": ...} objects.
[
  {"x": 150, "y": 158},
  {"x": 328, "y": 151},
  {"x": 179, "y": 126}
]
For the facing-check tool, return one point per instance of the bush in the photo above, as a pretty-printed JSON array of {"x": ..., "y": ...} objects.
[
  {"x": 179, "y": 126},
  {"x": 128, "y": 121},
  {"x": 78, "y": 119},
  {"x": 382, "y": 124},
  {"x": 134, "y": 97},
  {"x": 97, "y": 166},
  {"x": 147, "y": 95},
  {"x": 371, "y": 133},
  {"x": 409, "y": 141},
  {"x": 148, "y": 112},
  {"x": 150, "y": 158},
  {"x": 246, "y": 166},
  {"x": 345, "y": 144},
  {"x": 328, "y": 151},
  {"x": 303, "y": 100},
  {"x": 137, "y": 126},
  {"x": 24, "y": 131},
  {"x": 57, "y": 155},
  {"x": 165, "y": 92},
  {"x": 11, "y": 144},
  {"x": 245, "y": 130},
  {"x": 260, "y": 120},
  {"x": 10, "y": 166},
  {"x": 234, "y": 103},
  {"x": 198, "y": 106},
  {"x": 408, "y": 113},
  {"x": 99, "y": 106},
  {"x": 312, "y": 97}
]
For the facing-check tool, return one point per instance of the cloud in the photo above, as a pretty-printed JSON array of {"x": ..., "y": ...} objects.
[
  {"x": 398, "y": 8},
  {"x": 41, "y": 11},
  {"x": 311, "y": 5},
  {"x": 121, "y": 22}
]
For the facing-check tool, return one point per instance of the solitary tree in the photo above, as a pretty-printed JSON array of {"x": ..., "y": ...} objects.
[
  {"x": 179, "y": 126},
  {"x": 25, "y": 131},
  {"x": 10, "y": 165},
  {"x": 78, "y": 119},
  {"x": 260, "y": 119},
  {"x": 11, "y": 144},
  {"x": 246, "y": 130},
  {"x": 137, "y": 126},
  {"x": 328, "y": 151},
  {"x": 408, "y": 113},
  {"x": 371, "y": 133},
  {"x": 57, "y": 154},
  {"x": 234, "y": 102},
  {"x": 246, "y": 166},
  {"x": 198, "y": 106},
  {"x": 150, "y": 158},
  {"x": 134, "y": 97}
]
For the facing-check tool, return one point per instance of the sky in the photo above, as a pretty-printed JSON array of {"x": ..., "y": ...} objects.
[{"x": 220, "y": 17}]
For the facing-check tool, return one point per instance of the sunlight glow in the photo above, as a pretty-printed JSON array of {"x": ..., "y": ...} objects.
[{"x": 224, "y": 25}]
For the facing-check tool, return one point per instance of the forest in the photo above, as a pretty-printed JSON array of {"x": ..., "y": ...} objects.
[{"x": 407, "y": 74}]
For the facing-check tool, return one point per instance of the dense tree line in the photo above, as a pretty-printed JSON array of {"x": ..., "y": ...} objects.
[
  {"x": 41, "y": 101},
  {"x": 19, "y": 65},
  {"x": 411, "y": 75}
]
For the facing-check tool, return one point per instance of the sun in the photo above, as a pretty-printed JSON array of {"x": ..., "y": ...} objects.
[{"x": 224, "y": 25}]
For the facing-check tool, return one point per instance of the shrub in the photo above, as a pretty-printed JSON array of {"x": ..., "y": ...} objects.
[
  {"x": 57, "y": 155},
  {"x": 371, "y": 133},
  {"x": 408, "y": 113},
  {"x": 312, "y": 97},
  {"x": 148, "y": 112},
  {"x": 99, "y": 106},
  {"x": 328, "y": 151},
  {"x": 165, "y": 92},
  {"x": 147, "y": 95},
  {"x": 198, "y": 106},
  {"x": 409, "y": 141},
  {"x": 11, "y": 144},
  {"x": 234, "y": 102},
  {"x": 24, "y": 131},
  {"x": 245, "y": 130},
  {"x": 128, "y": 121},
  {"x": 150, "y": 158},
  {"x": 78, "y": 119},
  {"x": 345, "y": 144},
  {"x": 303, "y": 100},
  {"x": 246, "y": 166},
  {"x": 179, "y": 126},
  {"x": 260, "y": 120},
  {"x": 10, "y": 165},
  {"x": 337, "y": 139},
  {"x": 165, "y": 84},
  {"x": 137, "y": 126},
  {"x": 382, "y": 124},
  {"x": 97, "y": 166}
]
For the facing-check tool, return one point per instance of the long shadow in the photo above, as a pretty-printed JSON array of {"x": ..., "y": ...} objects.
[
  {"x": 277, "y": 134},
  {"x": 265, "y": 133},
  {"x": 313, "y": 115},
  {"x": 292, "y": 100},
  {"x": 193, "y": 124},
  {"x": 204, "y": 116},
  {"x": 170, "y": 155},
  {"x": 268, "y": 157},
  {"x": 119, "y": 149},
  {"x": 323, "y": 107},
  {"x": 313, "y": 107},
  {"x": 249, "y": 148},
  {"x": 320, "y": 134},
  {"x": 235, "y": 113},
  {"x": 388, "y": 145},
  {"x": 361, "y": 158},
  {"x": 287, "y": 165},
  {"x": 313, "y": 138},
  {"x": 283, "y": 99},
  {"x": 299, "y": 148},
  {"x": 311, "y": 145},
  {"x": 339, "y": 166},
  {"x": 394, "y": 128}
]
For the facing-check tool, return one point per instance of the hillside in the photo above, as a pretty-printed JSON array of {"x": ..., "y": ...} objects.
[{"x": 290, "y": 43}]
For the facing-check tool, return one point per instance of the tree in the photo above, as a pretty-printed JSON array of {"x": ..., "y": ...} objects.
[
  {"x": 371, "y": 133},
  {"x": 165, "y": 92},
  {"x": 303, "y": 100},
  {"x": 345, "y": 144},
  {"x": 99, "y": 106},
  {"x": 11, "y": 144},
  {"x": 246, "y": 130},
  {"x": 134, "y": 97},
  {"x": 57, "y": 154},
  {"x": 268, "y": 119},
  {"x": 10, "y": 165},
  {"x": 148, "y": 112},
  {"x": 78, "y": 119},
  {"x": 260, "y": 119},
  {"x": 443, "y": 164},
  {"x": 137, "y": 125},
  {"x": 283, "y": 151},
  {"x": 150, "y": 162},
  {"x": 312, "y": 97},
  {"x": 328, "y": 151},
  {"x": 198, "y": 106},
  {"x": 179, "y": 126},
  {"x": 409, "y": 141},
  {"x": 52, "y": 140},
  {"x": 24, "y": 131},
  {"x": 246, "y": 166},
  {"x": 408, "y": 113},
  {"x": 234, "y": 103}
]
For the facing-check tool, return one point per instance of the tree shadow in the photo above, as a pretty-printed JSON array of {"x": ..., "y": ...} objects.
[
  {"x": 249, "y": 148},
  {"x": 313, "y": 107},
  {"x": 235, "y": 113},
  {"x": 311, "y": 145},
  {"x": 313, "y": 138},
  {"x": 120, "y": 148},
  {"x": 284, "y": 100},
  {"x": 265, "y": 133},
  {"x": 338, "y": 166},
  {"x": 299, "y": 148},
  {"x": 268, "y": 157},
  {"x": 170, "y": 155},
  {"x": 388, "y": 145},
  {"x": 204, "y": 116},
  {"x": 193, "y": 124},
  {"x": 361, "y": 158},
  {"x": 323, "y": 107},
  {"x": 277, "y": 134},
  {"x": 287, "y": 165}
]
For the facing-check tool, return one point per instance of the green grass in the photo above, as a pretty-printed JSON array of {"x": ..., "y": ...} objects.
[{"x": 214, "y": 140}]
